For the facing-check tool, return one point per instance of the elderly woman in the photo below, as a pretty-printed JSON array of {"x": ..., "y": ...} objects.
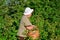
[{"x": 25, "y": 24}]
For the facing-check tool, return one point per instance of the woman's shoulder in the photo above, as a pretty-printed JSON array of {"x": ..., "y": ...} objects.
[{"x": 24, "y": 17}]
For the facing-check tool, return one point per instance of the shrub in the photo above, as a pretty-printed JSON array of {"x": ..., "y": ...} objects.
[{"x": 46, "y": 16}]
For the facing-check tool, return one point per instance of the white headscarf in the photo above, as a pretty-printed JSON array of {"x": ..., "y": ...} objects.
[{"x": 28, "y": 11}]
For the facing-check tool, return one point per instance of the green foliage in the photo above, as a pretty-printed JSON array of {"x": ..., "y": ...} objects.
[{"x": 46, "y": 16}]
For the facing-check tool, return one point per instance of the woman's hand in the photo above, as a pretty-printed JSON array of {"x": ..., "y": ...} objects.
[{"x": 30, "y": 27}]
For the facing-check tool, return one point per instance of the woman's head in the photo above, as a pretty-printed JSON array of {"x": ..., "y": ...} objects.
[{"x": 28, "y": 12}]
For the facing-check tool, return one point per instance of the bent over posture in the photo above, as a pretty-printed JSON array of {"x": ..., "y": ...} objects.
[{"x": 24, "y": 23}]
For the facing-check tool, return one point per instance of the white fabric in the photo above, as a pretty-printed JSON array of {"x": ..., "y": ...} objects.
[{"x": 28, "y": 11}]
